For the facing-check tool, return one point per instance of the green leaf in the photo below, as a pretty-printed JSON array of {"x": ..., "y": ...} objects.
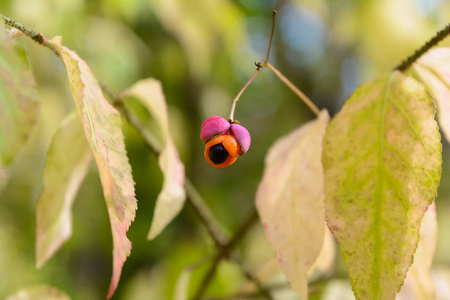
[
  {"x": 433, "y": 70},
  {"x": 18, "y": 98},
  {"x": 290, "y": 200},
  {"x": 68, "y": 160},
  {"x": 39, "y": 292},
  {"x": 382, "y": 160},
  {"x": 171, "y": 199},
  {"x": 103, "y": 128}
]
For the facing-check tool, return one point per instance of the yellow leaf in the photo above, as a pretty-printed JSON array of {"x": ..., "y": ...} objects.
[
  {"x": 290, "y": 201},
  {"x": 103, "y": 129},
  {"x": 171, "y": 199}
]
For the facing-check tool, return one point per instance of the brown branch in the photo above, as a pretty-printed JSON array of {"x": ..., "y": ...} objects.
[
  {"x": 440, "y": 35},
  {"x": 224, "y": 245}
]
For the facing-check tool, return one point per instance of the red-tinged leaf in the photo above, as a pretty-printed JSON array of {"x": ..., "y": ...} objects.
[
  {"x": 103, "y": 129},
  {"x": 418, "y": 283},
  {"x": 290, "y": 201},
  {"x": 68, "y": 160},
  {"x": 433, "y": 70},
  {"x": 171, "y": 199},
  {"x": 18, "y": 98},
  {"x": 382, "y": 161},
  {"x": 39, "y": 292}
]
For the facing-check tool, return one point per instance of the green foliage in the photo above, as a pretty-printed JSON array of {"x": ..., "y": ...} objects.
[
  {"x": 381, "y": 153},
  {"x": 18, "y": 101},
  {"x": 68, "y": 160},
  {"x": 382, "y": 160}
]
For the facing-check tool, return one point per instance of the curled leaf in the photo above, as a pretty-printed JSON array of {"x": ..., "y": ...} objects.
[
  {"x": 433, "y": 69},
  {"x": 68, "y": 160},
  {"x": 382, "y": 161},
  {"x": 103, "y": 129},
  {"x": 290, "y": 200},
  {"x": 171, "y": 199}
]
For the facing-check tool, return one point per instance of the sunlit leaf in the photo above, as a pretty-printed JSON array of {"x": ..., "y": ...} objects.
[
  {"x": 290, "y": 200},
  {"x": 18, "y": 98},
  {"x": 103, "y": 128},
  {"x": 433, "y": 69},
  {"x": 419, "y": 279},
  {"x": 39, "y": 292},
  {"x": 171, "y": 199},
  {"x": 382, "y": 161},
  {"x": 67, "y": 162}
]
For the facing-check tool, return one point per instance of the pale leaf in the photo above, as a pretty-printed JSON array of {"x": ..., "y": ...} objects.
[
  {"x": 324, "y": 264},
  {"x": 18, "y": 99},
  {"x": 103, "y": 129},
  {"x": 382, "y": 161},
  {"x": 290, "y": 201},
  {"x": 182, "y": 285},
  {"x": 171, "y": 199},
  {"x": 67, "y": 163},
  {"x": 418, "y": 279},
  {"x": 14, "y": 33},
  {"x": 39, "y": 292},
  {"x": 433, "y": 69}
]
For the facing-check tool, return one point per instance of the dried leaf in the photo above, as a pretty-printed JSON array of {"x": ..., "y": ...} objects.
[
  {"x": 171, "y": 199},
  {"x": 382, "y": 160},
  {"x": 290, "y": 200},
  {"x": 433, "y": 69},
  {"x": 419, "y": 279},
  {"x": 68, "y": 160},
  {"x": 18, "y": 99},
  {"x": 103, "y": 128},
  {"x": 39, "y": 292}
]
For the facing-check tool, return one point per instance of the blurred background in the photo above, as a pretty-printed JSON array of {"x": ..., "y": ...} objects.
[{"x": 203, "y": 53}]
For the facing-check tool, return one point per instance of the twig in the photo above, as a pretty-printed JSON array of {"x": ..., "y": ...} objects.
[
  {"x": 293, "y": 88},
  {"x": 34, "y": 35},
  {"x": 224, "y": 252},
  {"x": 440, "y": 35}
]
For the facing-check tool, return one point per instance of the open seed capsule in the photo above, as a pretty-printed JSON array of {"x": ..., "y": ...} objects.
[{"x": 224, "y": 141}]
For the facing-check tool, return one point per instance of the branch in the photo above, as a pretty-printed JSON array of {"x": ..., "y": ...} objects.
[
  {"x": 224, "y": 245},
  {"x": 440, "y": 35},
  {"x": 34, "y": 35}
]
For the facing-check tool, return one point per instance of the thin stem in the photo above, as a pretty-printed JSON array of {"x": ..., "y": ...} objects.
[
  {"x": 299, "y": 93},
  {"x": 206, "y": 216},
  {"x": 271, "y": 34},
  {"x": 440, "y": 35},
  {"x": 236, "y": 99},
  {"x": 259, "y": 65},
  {"x": 224, "y": 252},
  {"x": 34, "y": 35}
]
